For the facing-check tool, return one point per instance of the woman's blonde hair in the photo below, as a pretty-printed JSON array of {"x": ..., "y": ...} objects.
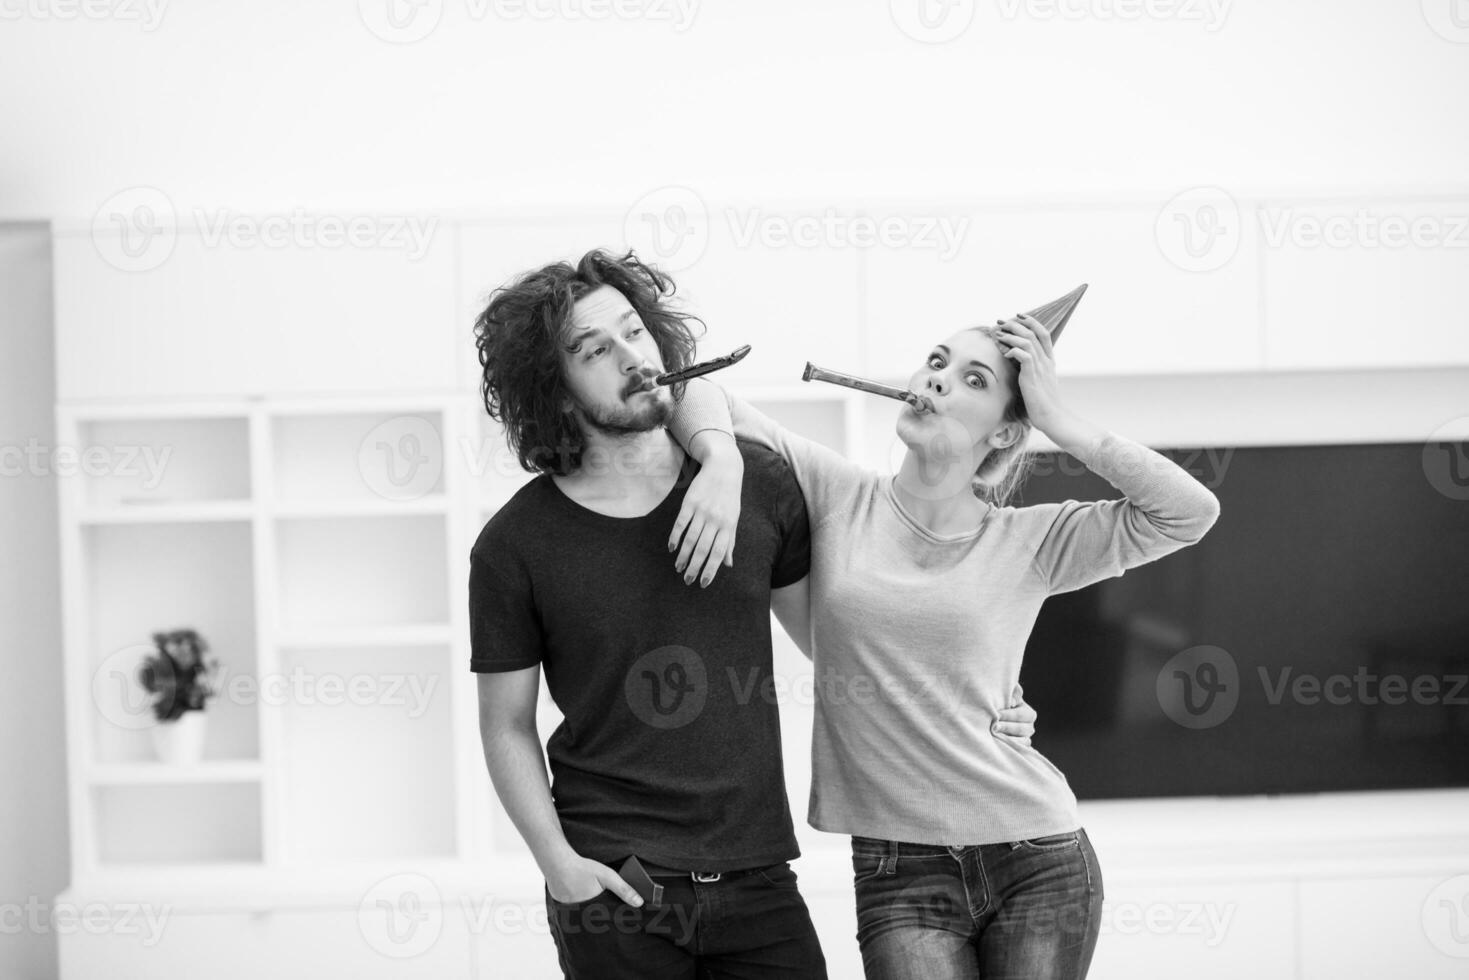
[{"x": 1002, "y": 471}]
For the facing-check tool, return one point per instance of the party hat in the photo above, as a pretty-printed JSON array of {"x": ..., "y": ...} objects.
[{"x": 1057, "y": 312}]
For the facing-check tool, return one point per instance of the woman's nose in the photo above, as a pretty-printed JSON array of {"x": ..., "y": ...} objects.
[{"x": 937, "y": 384}]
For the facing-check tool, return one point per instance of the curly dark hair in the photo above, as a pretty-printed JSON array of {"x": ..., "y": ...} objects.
[{"x": 519, "y": 338}]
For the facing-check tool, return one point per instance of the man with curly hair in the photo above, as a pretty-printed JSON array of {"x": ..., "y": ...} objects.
[{"x": 670, "y": 748}]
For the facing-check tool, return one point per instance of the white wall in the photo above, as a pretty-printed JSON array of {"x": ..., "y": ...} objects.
[
  {"x": 34, "y": 866},
  {"x": 277, "y": 104}
]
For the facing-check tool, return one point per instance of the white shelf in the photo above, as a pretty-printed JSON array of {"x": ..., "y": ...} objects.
[
  {"x": 169, "y": 512},
  {"x": 267, "y": 532},
  {"x": 334, "y": 509},
  {"x": 410, "y": 634},
  {"x": 160, "y": 774}
]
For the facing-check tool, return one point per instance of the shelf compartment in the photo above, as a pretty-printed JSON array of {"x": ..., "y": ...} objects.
[
  {"x": 358, "y": 456},
  {"x": 358, "y": 572},
  {"x": 147, "y": 578},
  {"x": 155, "y": 461},
  {"x": 178, "y": 824},
  {"x": 369, "y": 769}
]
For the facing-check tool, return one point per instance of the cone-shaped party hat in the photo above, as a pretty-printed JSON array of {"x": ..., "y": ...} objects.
[{"x": 1057, "y": 312}]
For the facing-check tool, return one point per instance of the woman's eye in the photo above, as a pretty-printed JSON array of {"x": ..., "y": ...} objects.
[
  {"x": 935, "y": 361},
  {"x": 975, "y": 380},
  {"x": 635, "y": 331}
]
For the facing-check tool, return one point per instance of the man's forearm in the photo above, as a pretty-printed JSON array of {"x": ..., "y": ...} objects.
[{"x": 518, "y": 773}]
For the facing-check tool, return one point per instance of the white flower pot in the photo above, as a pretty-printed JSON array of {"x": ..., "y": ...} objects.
[{"x": 180, "y": 742}]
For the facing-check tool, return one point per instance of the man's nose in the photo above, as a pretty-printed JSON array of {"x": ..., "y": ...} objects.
[{"x": 634, "y": 361}]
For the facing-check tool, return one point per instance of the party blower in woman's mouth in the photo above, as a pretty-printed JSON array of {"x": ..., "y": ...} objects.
[{"x": 1055, "y": 315}]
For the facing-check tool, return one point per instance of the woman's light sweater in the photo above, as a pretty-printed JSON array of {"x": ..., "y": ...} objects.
[{"x": 917, "y": 638}]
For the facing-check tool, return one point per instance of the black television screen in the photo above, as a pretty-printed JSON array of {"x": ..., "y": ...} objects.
[{"x": 1316, "y": 640}]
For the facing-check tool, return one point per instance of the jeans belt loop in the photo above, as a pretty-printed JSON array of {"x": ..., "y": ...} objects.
[{"x": 889, "y": 864}]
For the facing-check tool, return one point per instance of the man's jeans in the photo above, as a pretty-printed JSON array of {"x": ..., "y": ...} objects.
[
  {"x": 748, "y": 924},
  {"x": 1024, "y": 909}
]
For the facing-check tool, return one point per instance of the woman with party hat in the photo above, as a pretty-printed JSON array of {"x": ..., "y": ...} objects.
[{"x": 968, "y": 854}]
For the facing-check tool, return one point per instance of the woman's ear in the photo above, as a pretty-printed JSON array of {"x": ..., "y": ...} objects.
[{"x": 1007, "y": 435}]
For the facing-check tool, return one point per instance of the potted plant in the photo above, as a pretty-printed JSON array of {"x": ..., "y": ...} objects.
[{"x": 184, "y": 677}]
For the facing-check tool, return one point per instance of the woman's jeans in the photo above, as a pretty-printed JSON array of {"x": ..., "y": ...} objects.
[{"x": 1024, "y": 909}]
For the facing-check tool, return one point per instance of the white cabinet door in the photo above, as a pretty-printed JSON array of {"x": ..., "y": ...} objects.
[
  {"x": 1144, "y": 313},
  {"x": 216, "y": 316},
  {"x": 1366, "y": 284},
  {"x": 1201, "y": 930},
  {"x": 1410, "y": 926}
]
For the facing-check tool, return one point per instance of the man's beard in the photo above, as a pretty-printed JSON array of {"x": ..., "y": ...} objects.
[{"x": 625, "y": 420}]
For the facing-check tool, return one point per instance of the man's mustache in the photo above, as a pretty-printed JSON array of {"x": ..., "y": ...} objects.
[{"x": 643, "y": 381}]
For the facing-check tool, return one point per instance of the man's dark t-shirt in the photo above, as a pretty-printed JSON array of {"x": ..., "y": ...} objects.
[{"x": 670, "y": 748}]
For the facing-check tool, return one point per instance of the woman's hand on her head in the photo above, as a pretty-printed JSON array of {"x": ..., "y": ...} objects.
[
  {"x": 704, "y": 534},
  {"x": 1026, "y": 341}
]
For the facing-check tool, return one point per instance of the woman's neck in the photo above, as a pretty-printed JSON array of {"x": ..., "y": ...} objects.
[{"x": 938, "y": 495}]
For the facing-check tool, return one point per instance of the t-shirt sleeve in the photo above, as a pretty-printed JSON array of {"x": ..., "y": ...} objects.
[
  {"x": 793, "y": 560},
  {"x": 828, "y": 479},
  {"x": 504, "y": 628},
  {"x": 1165, "y": 509}
]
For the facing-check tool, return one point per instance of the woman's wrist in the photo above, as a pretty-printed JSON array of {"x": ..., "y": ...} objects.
[
  {"x": 714, "y": 446},
  {"x": 1072, "y": 433}
]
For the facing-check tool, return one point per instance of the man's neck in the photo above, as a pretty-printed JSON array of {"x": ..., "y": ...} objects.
[{"x": 624, "y": 476}]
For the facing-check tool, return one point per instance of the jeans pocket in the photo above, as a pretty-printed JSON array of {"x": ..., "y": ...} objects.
[
  {"x": 572, "y": 906},
  {"x": 1051, "y": 842},
  {"x": 865, "y": 866},
  {"x": 778, "y": 875}
]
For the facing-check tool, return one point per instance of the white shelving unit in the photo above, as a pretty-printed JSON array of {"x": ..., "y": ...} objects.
[{"x": 321, "y": 547}]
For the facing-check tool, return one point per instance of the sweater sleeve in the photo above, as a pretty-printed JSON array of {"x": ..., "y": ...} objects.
[
  {"x": 1164, "y": 509},
  {"x": 829, "y": 481},
  {"x": 702, "y": 406}
]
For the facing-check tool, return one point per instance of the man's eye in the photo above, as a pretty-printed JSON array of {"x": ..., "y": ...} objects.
[
  {"x": 635, "y": 331},
  {"x": 594, "y": 352}
]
